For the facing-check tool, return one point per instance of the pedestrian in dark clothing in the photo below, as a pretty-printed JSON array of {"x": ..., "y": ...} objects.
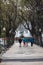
[
  {"x": 0, "y": 60},
  {"x": 20, "y": 40},
  {"x": 24, "y": 43},
  {"x": 31, "y": 44}
]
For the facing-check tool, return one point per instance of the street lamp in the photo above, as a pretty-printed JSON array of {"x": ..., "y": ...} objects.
[
  {"x": 4, "y": 29},
  {"x": 40, "y": 34},
  {"x": 4, "y": 35}
]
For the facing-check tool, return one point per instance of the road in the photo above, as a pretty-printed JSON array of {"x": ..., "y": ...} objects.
[{"x": 23, "y": 55}]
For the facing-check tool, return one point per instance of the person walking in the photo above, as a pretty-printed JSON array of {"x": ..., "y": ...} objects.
[{"x": 20, "y": 40}]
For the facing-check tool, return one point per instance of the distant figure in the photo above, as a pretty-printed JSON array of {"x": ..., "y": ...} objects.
[
  {"x": 0, "y": 60},
  {"x": 20, "y": 40},
  {"x": 31, "y": 40},
  {"x": 31, "y": 44},
  {"x": 25, "y": 41}
]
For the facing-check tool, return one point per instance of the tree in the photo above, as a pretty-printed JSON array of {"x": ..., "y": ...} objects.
[
  {"x": 28, "y": 12},
  {"x": 32, "y": 11},
  {"x": 8, "y": 17}
]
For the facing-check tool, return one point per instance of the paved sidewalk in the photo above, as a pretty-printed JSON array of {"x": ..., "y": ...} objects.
[
  {"x": 21, "y": 63},
  {"x": 16, "y": 52},
  {"x": 23, "y": 55}
]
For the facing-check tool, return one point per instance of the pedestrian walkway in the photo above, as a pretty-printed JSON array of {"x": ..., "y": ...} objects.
[
  {"x": 23, "y": 55},
  {"x": 16, "y": 52}
]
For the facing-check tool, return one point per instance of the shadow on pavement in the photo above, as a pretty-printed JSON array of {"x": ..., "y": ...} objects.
[{"x": 23, "y": 60}]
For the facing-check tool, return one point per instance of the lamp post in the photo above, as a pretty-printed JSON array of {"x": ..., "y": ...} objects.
[
  {"x": 40, "y": 32},
  {"x": 4, "y": 34},
  {"x": 4, "y": 29}
]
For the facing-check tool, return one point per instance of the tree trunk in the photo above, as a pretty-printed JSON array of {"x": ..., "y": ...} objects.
[{"x": 0, "y": 31}]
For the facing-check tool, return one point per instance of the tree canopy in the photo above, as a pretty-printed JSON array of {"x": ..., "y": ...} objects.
[{"x": 14, "y": 12}]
